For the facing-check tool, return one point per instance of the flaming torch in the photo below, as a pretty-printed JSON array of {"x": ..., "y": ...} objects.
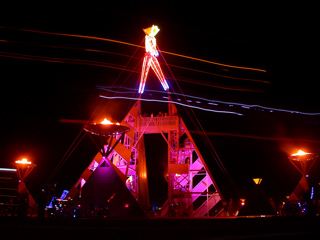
[
  {"x": 106, "y": 132},
  {"x": 302, "y": 161},
  {"x": 24, "y": 167}
]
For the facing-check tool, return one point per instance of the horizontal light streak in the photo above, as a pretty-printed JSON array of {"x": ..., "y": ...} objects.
[
  {"x": 134, "y": 45},
  {"x": 251, "y": 136},
  {"x": 125, "y": 55},
  {"x": 64, "y": 60},
  {"x": 8, "y": 169},
  {"x": 73, "y": 35},
  {"x": 104, "y": 65},
  {"x": 212, "y": 101},
  {"x": 215, "y": 63},
  {"x": 222, "y": 134},
  {"x": 178, "y": 103},
  {"x": 219, "y": 75}
]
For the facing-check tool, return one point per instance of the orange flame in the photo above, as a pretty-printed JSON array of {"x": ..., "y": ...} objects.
[
  {"x": 300, "y": 153},
  {"x": 106, "y": 122},
  {"x": 23, "y": 161}
]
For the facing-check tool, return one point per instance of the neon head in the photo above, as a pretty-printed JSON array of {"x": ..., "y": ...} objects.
[{"x": 151, "y": 31}]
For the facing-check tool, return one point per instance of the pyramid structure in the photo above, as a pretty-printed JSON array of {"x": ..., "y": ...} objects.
[
  {"x": 300, "y": 190},
  {"x": 257, "y": 203},
  {"x": 104, "y": 188},
  {"x": 192, "y": 191}
]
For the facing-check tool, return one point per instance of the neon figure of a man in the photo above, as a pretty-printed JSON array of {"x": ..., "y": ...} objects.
[{"x": 150, "y": 59}]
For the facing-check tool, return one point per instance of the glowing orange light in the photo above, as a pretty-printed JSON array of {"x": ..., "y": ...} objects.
[
  {"x": 106, "y": 122},
  {"x": 151, "y": 31},
  {"x": 130, "y": 44},
  {"x": 23, "y": 161},
  {"x": 257, "y": 180},
  {"x": 242, "y": 201},
  {"x": 300, "y": 153}
]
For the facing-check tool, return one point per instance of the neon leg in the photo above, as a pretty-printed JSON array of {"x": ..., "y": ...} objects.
[
  {"x": 144, "y": 73},
  {"x": 157, "y": 69}
]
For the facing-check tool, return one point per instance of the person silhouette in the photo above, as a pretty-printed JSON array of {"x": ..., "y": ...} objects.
[{"x": 150, "y": 59}]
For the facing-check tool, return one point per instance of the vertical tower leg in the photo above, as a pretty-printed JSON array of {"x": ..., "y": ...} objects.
[{"x": 192, "y": 191}]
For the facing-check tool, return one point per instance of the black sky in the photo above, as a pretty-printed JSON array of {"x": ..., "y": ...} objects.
[{"x": 36, "y": 94}]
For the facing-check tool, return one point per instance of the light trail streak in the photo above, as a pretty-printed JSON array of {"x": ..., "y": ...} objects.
[
  {"x": 251, "y": 136},
  {"x": 220, "y": 75},
  {"x": 72, "y": 48},
  {"x": 210, "y": 101},
  {"x": 215, "y": 63},
  {"x": 222, "y": 134},
  {"x": 134, "y": 45},
  {"x": 178, "y": 103},
  {"x": 74, "y": 35},
  {"x": 218, "y": 86},
  {"x": 125, "y": 55},
  {"x": 65, "y": 60},
  {"x": 105, "y": 65}
]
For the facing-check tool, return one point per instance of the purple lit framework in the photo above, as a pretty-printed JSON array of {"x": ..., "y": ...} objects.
[
  {"x": 106, "y": 137},
  {"x": 192, "y": 191}
]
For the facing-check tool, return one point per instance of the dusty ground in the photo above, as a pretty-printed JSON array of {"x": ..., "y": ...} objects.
[{"x": 138, "y": 228}]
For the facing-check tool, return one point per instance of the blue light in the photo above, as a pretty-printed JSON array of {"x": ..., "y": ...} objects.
[
  {"x": 312, "y": 192},
  {"x": 185, "y": 105},
  {"x": 8, "y": 170},
  {"x": 64, "y": 194},
  {"x": 248, "y": 106}
]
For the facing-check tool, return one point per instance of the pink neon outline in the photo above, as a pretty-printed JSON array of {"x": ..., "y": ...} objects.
[{"x": 151, "y": 60}]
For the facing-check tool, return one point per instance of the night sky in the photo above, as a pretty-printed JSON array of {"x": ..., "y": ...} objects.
[{"x": 46, "y": 77}]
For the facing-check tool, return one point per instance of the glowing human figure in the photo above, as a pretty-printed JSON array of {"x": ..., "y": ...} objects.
[{"x": 151, "y": 60}]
